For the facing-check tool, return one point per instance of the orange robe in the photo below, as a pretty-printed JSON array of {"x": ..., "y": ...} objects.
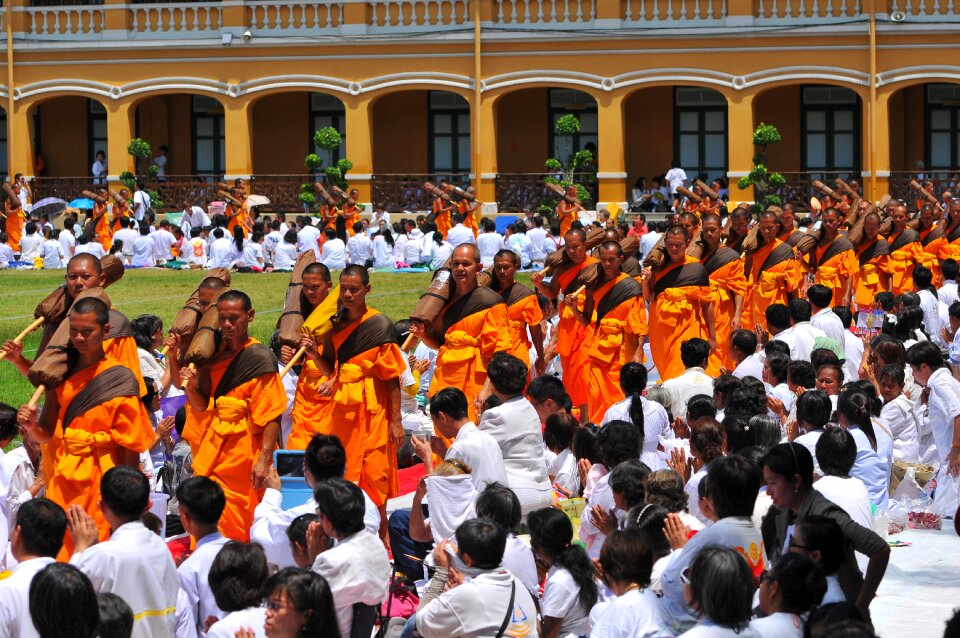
[
  {"x": 566, "y": 213},
  {"x": 474, "y": 328},
  {"x": 835, "y": 264},
  {"x": 675, "y": 313},
  {"x": 570, "y": 336},
  {"x": 523, "y": 310},
  {"x": 872, "y": 279},
  {"x": 351, "y": 215},
  {"x": 950, "y": 247},
  {"x": 328, "y": 215},
  {"x": 773, "y": 274},
  {"x": 80, "y": 452},
  {"x": 238, "y": 217},
  {"x": 103, "y": 228},
  {"x": 470, "y": 214},
  {"x": 619, "y": 318},
  {"x": 119, "y": 212},
  {"x": 906, "y": 251},
  {"x": 233, "y": 426},
  {"x": 13, "y": 225},
  {"x": 442, "y": 217},
  {"x": 367, "y": 358},
  {"x": 932, "y": 242},
  {"x": 309, "y": 408},
  {"x": 727, "y": 280}
]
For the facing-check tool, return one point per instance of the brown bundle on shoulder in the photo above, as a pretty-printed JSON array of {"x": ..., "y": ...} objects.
[
  {"x": 54, "y": 364},
  {"x": 922, "y": 192},
  {"x": 291, "y": 319},
  {"x": 187, "y": 318},
  {"x": 431, "y": 304},
  {"x": 206, "y": 340},
  {"x": 658, "y": 254},
  {"x": 557, "y": 261},
  {"x": 689, "y": 194}
]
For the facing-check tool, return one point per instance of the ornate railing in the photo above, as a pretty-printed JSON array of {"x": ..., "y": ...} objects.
[
  {"x": 782, "y": 12},
  {"x": 798, "y": 188},
  {"x": 175, "y": 19},
  {"x": 273, "y": 17},
  {"x": 518, "y": 192},
  {"x": 283, "y": 191},
  {"x": 650, "y": 12},
  {"x": 66, "y": 188},
  {"x": 61, "y": 22},
  {"x": 397, "y": 192},
  {"x": 386, "y": 16},
  {"x": 545, "y": 13},
  {"x": 199, "y": 190},
  {"x": 943, "y": 180}
]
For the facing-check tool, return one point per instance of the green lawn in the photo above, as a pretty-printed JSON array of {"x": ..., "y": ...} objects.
[{"x": 163, "y": 292}]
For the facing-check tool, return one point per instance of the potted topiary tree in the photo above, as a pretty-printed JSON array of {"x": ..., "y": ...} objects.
[
  {"x": 327, "y": 138},
  {"x": 141, "y": 152},
  {"x": 563, "y": 173},
  {"x": 764, "y": 183}
]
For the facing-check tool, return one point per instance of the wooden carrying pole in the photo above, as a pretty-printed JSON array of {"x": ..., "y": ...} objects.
[
  {"x": 35, "y": 397},
  {"x": 23, "y": 335},
  {"x": 915, "y": 185},
  {"x": 709, "y": 192}
]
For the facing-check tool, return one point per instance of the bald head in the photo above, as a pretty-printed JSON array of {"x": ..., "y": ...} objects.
[
  {"x": 466, "y": 251},
  {"x": 213, "y": 283},
  {"x": 579, "y": 233},
  {"x": 87, "y": 261}
]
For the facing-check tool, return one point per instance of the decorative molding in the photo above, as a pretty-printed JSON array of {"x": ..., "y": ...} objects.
[
  {"x": 100, "y": 89},
  {"x": 362, "y": 177},
  {"x": 737, "y": 174},
  {"x": 950, "y": 73},
  {"x": 806, "y": 73},
  {"x": 615, "y": 175},
  {"x": 231, "y": 177},
  {"x": 488, "y": 176},
  {"x": 867, "y": 174},
  {"x": 885, "y": 174}
]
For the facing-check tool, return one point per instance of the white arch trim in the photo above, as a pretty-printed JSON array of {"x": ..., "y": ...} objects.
[
  {"x": 929, "y": 72},
  {"x": 202, "y": 85}
]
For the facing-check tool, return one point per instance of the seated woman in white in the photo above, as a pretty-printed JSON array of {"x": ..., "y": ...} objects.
[
  {"x": 899, "y": 415},
  {"x": 649, "y": 416},
  {"x": 499, "y": 504},
  {"x": 718, "y": 586},
  {"x": 558, "y": 434},
  {"x": 452, "y": 497},
  {"x": 788, "y": 593},
  {"x": 626, "y": 560}
]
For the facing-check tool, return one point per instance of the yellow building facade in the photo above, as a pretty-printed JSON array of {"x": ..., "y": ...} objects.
[{"x": 469, "y": 89}]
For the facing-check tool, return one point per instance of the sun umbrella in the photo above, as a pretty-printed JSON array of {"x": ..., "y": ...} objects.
[
  {"x": 82, "y": 203},
  {"x": 51, "y": 207},
  {"x": 257, "y": 200}
]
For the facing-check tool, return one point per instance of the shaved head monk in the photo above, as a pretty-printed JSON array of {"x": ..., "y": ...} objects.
[
  {"x": 773, "y": 273},
  {"x": 238, "y": 399},
  {"x": 93, "y": 421},
  {"x": 470, "y": 329}
]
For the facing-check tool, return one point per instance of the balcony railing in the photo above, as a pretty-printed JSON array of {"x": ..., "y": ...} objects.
[
  {"x": 518, "y": 192},
  {"x": 198, "y": 190},
  {"x": 799, "y": 186},
  {"x": 943, "y": 180},
  {"x": 175, "y": 20},
  {"x": 396, "y": 192}
]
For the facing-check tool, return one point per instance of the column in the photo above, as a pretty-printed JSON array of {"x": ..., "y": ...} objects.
[
  {"x": 238, "y": 138},
  {"x": 740, "y": 148},
  {"x": 880, "y": 160},
  {"x": 20, "y": 139},
  {"x": 120, "y": 130},
  {"x": 611, "y": 168},
  {"x": 359, "y": 131},
  {"x": 487, "y": 147}
]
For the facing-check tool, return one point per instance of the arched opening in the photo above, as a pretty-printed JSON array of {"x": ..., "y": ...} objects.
[
  {"x": 418, "y": 136},
  {"x": 924, "y": 129},
  {"x": 526, "y": 138},
  {"x": 692, "y": 118},
  {"x": 68, "y": 132}
]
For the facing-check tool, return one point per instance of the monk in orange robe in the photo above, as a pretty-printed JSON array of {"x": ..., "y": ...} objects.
[
  {"x": 238, "y": 215},
  {"x": 616, "y": 320},
  {"x": 931, "y": 240},
  {"x": 833, "y": 261},
  {"x": 13, "y": 222},
  {"x": 574, "y": 358},
  {"x": 121, "y": 209},
  {"x": 101, "y": 219},
  {"x": 311, "y": 403},
  {"x": 737, "y": 229},
  {"x": 788, "y": 226},
  {"x": 469, "y": 330},
  {"x": 442, "y": 209},
  {"x": 364, "y": 362},
  {"x": 238, "y": 399},
  {"x": 470, "y": 209},
  {"x": 92, "y": 422},
  {"x": 567, "y": 212},
  {"x": 873, "y": 255},
  {"x": 728, "y": 285},
  {"x": 351, "y": 211},
  {"x": 950, "y": 248},
  {"x": 680, "y": 304},
  {"x": 772, "y": 273},
  {"x": 905, "y": 252},
  {"x": 523, "y": 309}
]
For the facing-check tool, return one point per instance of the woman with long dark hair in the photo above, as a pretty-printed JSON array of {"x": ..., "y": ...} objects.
[
  {"x": 650, "y": 417},
  {"x": 855, "y": 413}
]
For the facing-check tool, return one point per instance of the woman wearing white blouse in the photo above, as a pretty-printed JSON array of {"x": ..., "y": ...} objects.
[{"x": 788, "y": 592}]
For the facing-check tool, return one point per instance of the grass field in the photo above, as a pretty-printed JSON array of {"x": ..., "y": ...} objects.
[{"x": 163, "y": 292}]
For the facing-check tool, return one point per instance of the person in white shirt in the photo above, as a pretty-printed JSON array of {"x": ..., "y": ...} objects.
[
  {"x": 378, "y": 215},
  {"x": 413, "y": 248},
  {"x": 308, "y": 237},
  {"x": 792, "y": 587},
  {"x": 222, "y": 251},
  {"x": 383, "y": 249},
  {"x": 128, "y": 236},
  {"x": 6, "y": 253},
  {"x": 51, "y": 251},
  {"x": 676, "y": 176},
  {"x": 92, "y": 247},
  {"x": 359, "y": 247},
  {"x": 163, "y": 241},
  {"x": 193, "y": 217},
  {"x": 743, "y": 349},
  {"x": 836, "y": 452},
  {"x": 67, "y": 241},
  {"x": 356, "y": 567},
  {"x": 947, "y": 293},
  {"x": 161, "y": 163},
  {"x": 441, "y": 251},
  {"x": 500, "y": 505},
  {"x": 271, "y": 241},
  {"x": 823, "y": 317},
  {"x": 99, "y": 168},
  {"x": 143, "y": 249},
  {"x": 460, "y": 234},
  {"x": 324, "y": 459},
  {"x": 899, "y": 414},
  {"x": 236, "y": 577},
  {"x": 779, "y": 395},
  {"x": 201, "y": 502},
  {"x": 538, "y": 240},
  {"x": 285, "y": 256},
  {"x": 195, "y": 252},
  {"x": 35, "y": 541},
  {"x": 650, "y": 239},
  {"x": 923, "y": 278},
  {"x": 489, "y": 243},
  {"x": 516, "y": 427},
  {"x": 426, "y": 243},
  {"x": 252, "y": 257},
  {"x": 135, "y": 563},
  {"x": 801, "y": 335},
  {"x": 627, "y": 562},
  {"x": 518, "y": 242},
  {"x": 491, "y": 601},
  {"x": 656, "y": 424},
  {"x": 31, "y": 243},
  {"x": 694, "y": 354},
  {"x": 943, "y": 406},
  {"x": 333, "y": 254},
  {"x": 141, "y": 202}
]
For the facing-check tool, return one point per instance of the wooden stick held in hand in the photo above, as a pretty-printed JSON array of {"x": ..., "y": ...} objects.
[
  {"x": 183, "y": 384},
  {"x": 35, "y": 398},
  {"x": 23, "y": 335},
  {"x": 293, "y": 361}
]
